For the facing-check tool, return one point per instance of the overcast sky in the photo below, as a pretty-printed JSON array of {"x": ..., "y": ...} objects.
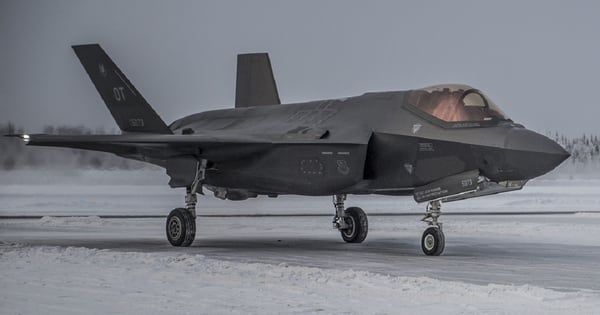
[{"x": 538, "y": 60}]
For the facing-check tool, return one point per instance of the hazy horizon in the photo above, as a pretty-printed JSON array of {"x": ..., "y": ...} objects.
[{"x": 537, "y": 60}]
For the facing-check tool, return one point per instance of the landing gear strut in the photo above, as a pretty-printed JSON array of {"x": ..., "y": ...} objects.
[
  {"x": 352, "y": 222},
  {"x": 181, "y": 222},
  {"x": 433, "y": 240}
]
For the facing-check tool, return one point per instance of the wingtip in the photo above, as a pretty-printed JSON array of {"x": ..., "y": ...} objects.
[{"x": 24, "y": 137}]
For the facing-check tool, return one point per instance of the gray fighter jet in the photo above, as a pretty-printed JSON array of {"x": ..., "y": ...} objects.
[{"x": 439, "y": 144}]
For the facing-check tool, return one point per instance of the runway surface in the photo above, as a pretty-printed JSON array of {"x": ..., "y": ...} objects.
[{"x": 98, "y": 244}]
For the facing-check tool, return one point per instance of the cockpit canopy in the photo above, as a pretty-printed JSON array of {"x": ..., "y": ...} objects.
[{"x": 455, "y": 103}]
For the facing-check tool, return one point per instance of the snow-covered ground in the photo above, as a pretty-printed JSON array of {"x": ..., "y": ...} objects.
[
  {"x": 58, "y": 280},
  {"x": 498, "y": 264}
]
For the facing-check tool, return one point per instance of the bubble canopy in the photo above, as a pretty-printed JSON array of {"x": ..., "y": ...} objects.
[{"x": 455, "y": 103}]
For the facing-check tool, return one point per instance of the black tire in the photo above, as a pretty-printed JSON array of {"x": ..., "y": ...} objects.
[
  {"x": 433, "y": 241},
  {"x": 181, "y": 227},
  {"x": 358, "y": 226}
]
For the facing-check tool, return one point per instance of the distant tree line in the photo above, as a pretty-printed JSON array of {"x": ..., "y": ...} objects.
[
  {"x": 14, "y": 155},
  {"x": 584, "y": 149}
]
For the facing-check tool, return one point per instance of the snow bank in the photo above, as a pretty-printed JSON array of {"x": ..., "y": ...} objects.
[
  {"x": 79, "y": 177},
  {"x": 71, "y": 280},
  {"x": 588, "y": 214},
  {"x": 71, "y": 221}
]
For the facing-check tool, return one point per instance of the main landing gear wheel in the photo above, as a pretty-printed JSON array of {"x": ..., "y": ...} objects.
[
  {"x": 352, "y": 222},
  {"x": 433, "y": 241},
  {"x": 181, "y": 227},
  {"x": 357, "y": 225}
]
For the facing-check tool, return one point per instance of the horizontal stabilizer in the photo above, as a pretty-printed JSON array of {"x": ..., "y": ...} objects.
[{"x": 255, "y": 84}]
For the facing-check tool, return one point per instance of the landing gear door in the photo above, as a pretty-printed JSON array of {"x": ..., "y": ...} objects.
[
  {"x": 182, "y": 171},
  {"x": 446, "y": 187}
]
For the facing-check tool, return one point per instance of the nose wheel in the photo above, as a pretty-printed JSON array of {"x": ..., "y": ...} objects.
[{"x": 433, "y": 240}]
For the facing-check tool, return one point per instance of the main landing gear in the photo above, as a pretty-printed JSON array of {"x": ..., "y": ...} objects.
[
  {"x": 433, "y": 239},
  {"x": 352, "y": 222},
  {"x": 181, "y": 222}
]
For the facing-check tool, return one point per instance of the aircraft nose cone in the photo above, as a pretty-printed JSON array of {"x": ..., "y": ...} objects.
[{"x": 533, "y": 154}]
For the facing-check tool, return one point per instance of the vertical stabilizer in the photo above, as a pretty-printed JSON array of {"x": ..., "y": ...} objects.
[
  {"x": 127, "y": 106},
  {"x": 255, "y": 83}
]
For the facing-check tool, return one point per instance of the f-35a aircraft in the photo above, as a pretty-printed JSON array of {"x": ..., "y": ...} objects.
[{"x": 441, "y": 143}]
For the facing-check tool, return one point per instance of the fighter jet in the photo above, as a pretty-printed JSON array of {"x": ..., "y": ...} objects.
[{"x": 438, "y": 144}]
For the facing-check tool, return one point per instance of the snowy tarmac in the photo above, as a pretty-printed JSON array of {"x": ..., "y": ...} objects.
[
  {"x": 537, "y": 264},
  {"x": 514, "y": 252}
]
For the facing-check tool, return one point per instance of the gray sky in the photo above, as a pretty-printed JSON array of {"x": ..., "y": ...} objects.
[{"x": 538, "y": 60}]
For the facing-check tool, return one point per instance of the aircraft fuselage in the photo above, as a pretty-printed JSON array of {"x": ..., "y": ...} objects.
[{"x": 369, "y": 144}]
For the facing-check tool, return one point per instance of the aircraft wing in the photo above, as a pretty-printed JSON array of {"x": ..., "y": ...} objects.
[
  {"x": 178, "y": 154},
  {"x": 157, "y": 146}
]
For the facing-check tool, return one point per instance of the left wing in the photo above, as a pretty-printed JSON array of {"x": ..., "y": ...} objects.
[{"x": 155, "y": 146}]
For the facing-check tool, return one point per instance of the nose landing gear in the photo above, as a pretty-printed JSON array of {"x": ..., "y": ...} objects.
[{"x": 433, "y": 240}]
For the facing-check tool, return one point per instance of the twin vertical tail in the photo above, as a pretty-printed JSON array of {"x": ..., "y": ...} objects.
[
  {"x": 255, "y": 84},
  {"x": 127, "y": 106}
]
